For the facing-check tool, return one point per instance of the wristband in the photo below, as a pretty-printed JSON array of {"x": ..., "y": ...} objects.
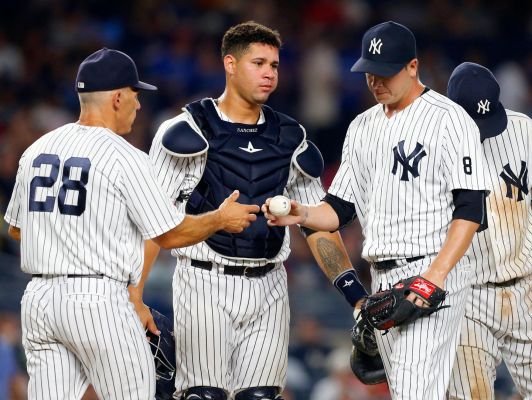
[{"x": 348, "y": 284}]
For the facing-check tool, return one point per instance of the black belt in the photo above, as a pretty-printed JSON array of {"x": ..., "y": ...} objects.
[
  {"x": 391, "y": 264},
  {"x": 240, "y": 270},
  {"x": 99, "y": 276},
  {"x": 509, "y": 283}
]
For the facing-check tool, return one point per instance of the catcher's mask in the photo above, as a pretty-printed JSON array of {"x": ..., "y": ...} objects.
[{"x": 163, "y": 350}]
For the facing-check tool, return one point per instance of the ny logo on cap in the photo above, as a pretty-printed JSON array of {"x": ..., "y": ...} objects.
[
  {"x": 375, "y": 46},
  {"x": 484, "y": 106}
]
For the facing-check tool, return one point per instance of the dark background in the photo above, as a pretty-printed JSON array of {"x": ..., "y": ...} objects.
[{"x": 176, "y": 46}]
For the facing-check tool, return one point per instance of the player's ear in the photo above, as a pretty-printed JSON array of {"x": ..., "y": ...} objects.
[
  {"x": 116, "y": 98},
  {"x": 230, "y": 64},
  {"x": 411, "y": 67}
]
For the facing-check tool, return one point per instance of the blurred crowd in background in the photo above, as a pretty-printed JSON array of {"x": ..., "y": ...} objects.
[{"x": 176, "y": 46}]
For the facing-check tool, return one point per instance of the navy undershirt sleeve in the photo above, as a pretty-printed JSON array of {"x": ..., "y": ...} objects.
[
  {"x": 344, "y": 209},
  {"x": 471, "y": 206}
]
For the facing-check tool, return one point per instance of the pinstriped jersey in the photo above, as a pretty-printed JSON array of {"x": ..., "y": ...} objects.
[
  {"x": 180, "y": 175},
  {"x": 400, "y": 172},
  {"x": 84, "y": 200},
  {"x": 503, "y": 251}
]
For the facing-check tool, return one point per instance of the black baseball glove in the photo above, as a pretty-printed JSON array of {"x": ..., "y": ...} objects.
[
  {"x": 388, "y": 308},
  {"x": 366, "y": 362}
]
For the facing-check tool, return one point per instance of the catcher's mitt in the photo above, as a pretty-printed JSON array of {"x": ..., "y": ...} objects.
[
  {"x": 366, "y": 362},
  {"x": 388, "y": 308}
]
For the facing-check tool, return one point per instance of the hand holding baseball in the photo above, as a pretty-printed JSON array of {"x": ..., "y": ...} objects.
[
  {"x": 279, "y": 206},
  {"x": 281, "y": 211}
]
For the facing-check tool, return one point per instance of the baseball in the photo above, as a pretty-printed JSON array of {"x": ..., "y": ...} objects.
[{"x": 279, "y": 206}]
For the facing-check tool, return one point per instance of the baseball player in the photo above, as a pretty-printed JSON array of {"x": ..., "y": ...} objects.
[
  {"x": 411, "y": 172},
  {"x": 230, "y": 304},
  {"x": 499, "y": 311},
  {"x": 83, "y": 201}
]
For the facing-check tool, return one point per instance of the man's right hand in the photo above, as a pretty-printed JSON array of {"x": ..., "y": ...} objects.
[
  {"x": 298, "y": 214},
  {"x": 146, "y": 319},
  {"x": 235, "y": 216}
]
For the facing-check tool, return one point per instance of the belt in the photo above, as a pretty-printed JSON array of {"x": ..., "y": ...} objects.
[
  {"x": 240, "y": 270},
  {"x": 509, "y": 283},
  {"x": 99, "y": 276},
  {"x": 391, "y": 264}
]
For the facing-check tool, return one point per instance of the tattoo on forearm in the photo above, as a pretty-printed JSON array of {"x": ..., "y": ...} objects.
[
  {"x": 333, "y": 259},
  {"x": 305, "y": 216}
]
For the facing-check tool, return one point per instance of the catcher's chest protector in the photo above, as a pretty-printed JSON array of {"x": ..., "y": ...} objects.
[{"x": 255, "y": 159}]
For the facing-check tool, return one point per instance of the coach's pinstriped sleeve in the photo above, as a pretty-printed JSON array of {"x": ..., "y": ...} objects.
[
  {"x": 148, "y": 205},
  {"x": 13, "y": 212}
]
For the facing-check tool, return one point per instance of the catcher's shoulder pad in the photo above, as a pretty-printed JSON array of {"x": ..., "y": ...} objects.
[
  {"x": 309, "y": 160},
  {"x": 181, "y": 140}
]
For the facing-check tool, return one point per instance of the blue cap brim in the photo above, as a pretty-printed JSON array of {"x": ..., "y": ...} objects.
[
  {"x": 375, "y": 68},
  {"x": 144, "y": 86},
  {"x": 493, "y": 125}
]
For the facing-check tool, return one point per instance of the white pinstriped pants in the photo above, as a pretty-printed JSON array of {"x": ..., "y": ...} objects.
[
  {"x": 77, "y": 331},
  {"x": 231, "y": 331},
  {"x": 498, "y": 325},
  {"x": 418, "y": 357}
]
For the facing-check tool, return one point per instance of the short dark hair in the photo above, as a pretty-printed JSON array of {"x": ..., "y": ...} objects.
[{"x": 238, "y": 38}]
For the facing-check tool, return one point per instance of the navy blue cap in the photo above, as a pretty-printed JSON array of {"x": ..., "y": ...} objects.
[
  {"x": 475, "y": 88},
  {"x": 386, "y": 49},
  {"x": 109, "y": 69}
]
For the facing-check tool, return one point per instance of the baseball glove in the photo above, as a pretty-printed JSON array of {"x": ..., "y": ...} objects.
[
  {"x": 366, "y": 362},
  {"x": 388, "y": 308}
]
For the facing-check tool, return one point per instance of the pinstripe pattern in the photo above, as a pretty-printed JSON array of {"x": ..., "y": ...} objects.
[
  {"x": 408, "y": 218},
  {"x": 231, "y": 331},
  {"x": 498, "y": 323},
  {"x": 403, "y": 215},
  {"x": 497, "y": 327},
  {"x": 502, "y": 252},
  {"x": 235, "y": 337},
  {"x": 124, "y": 206},
  {"x": 419, "y": 356},
  {"x": 81, "y": 330}
]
